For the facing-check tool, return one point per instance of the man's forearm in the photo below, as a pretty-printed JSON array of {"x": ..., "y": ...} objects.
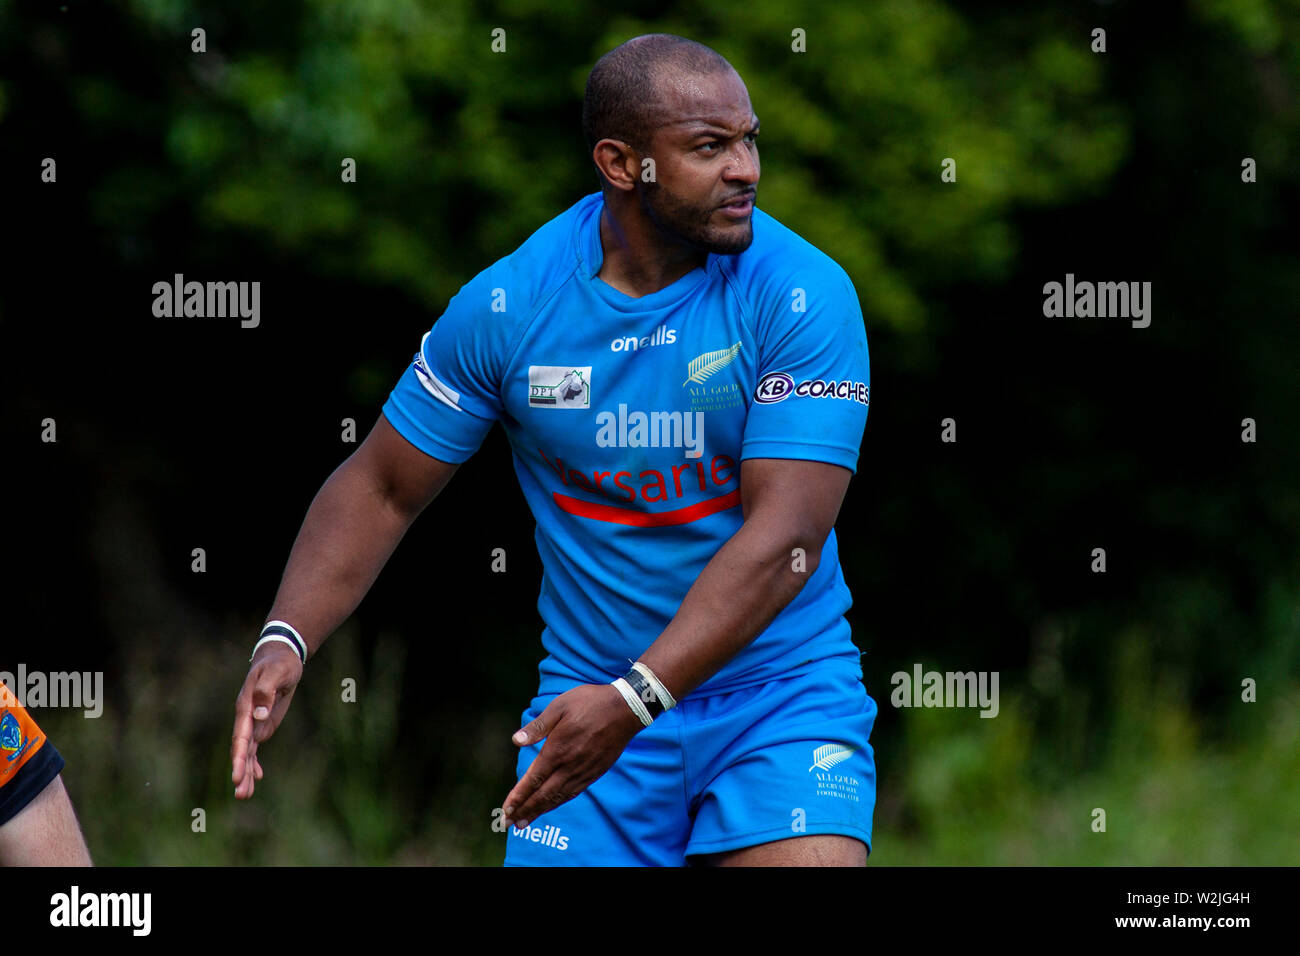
[
  {"x": 350, "y": 531},
  {"x": 738, "y": 594}
]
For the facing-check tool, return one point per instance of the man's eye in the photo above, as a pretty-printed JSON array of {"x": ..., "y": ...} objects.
[
  {"x": 752, "y": 137},
  {"x": 706, "y": 145}
]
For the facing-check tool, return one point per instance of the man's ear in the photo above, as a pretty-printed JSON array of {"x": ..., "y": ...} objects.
[{"x": 617, "y": 163}]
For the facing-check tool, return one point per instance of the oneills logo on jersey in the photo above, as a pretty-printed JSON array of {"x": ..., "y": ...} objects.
[
  {"x": 559, "y": 386},
  {"x": 660, "y": 336}
]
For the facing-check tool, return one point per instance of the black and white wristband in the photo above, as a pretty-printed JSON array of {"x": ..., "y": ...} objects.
[
  {"x": 633, "y": 700},
  {"x": 283, "y": 633},
  {"x": 660, "y": 691},
  {"x": 644, "y": 693}
]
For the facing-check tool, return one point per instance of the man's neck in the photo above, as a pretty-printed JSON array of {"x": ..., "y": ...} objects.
[{"x": 639, "y": 262}]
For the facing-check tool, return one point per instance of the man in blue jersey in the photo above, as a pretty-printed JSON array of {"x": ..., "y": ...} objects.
[{"x": 684, "y": 383}]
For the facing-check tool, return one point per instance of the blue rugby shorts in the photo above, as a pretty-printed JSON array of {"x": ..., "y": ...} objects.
[{"x": 719, "y": 772}]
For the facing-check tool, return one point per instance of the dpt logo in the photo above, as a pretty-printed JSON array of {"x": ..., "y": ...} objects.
[{"x": 559, "y": 386}]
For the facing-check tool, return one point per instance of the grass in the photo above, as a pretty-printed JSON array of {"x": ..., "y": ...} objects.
[{"x": 347, "y": 785}]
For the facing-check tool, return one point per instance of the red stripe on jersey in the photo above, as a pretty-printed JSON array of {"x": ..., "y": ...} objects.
[{"x": 646, "y": 519}]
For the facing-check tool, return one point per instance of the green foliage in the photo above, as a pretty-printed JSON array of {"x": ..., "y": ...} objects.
[
  {"x": 1129, "y": 699},
  {"x": 954, "y": 788},
  {"x": 854, "y": 131},
  {"x": 1012, "y": 791}
]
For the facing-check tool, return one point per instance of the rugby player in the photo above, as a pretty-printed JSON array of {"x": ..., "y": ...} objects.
[
  {"x": 684, "y": 384},
  {"x": 38, "y": 826}
]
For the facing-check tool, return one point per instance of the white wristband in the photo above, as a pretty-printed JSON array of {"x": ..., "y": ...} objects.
[
  {"x": 286, "y": 632},
  {"x": 273, "y": 637},
  {"x": 633, "y": 701},
  {"x": 661, "y": 691}
]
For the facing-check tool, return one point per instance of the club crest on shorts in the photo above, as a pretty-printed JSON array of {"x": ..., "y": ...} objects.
[
  {"x": 828, "y": 755},
  {"x": 840, "y": 785},
  {"x": 559, "y": 386}
]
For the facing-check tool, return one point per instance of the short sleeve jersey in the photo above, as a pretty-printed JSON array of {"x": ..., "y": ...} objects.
[
  {"x": 629, "y": 417},
  {"x": 28, "y": 761}
]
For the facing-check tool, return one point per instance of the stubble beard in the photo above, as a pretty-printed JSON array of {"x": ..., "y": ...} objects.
[{"x": 691, "y": 225}]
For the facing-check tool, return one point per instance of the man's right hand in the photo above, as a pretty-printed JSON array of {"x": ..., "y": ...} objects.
[
  {"x": 259, "y": 708},
  {"x": 351, "y": 528}
]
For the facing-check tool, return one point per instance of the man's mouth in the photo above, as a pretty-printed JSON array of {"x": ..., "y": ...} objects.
[{"x": 739, "y": 206}]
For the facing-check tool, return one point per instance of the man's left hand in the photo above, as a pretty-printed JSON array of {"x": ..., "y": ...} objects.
[{"x": 586, "y": 729}]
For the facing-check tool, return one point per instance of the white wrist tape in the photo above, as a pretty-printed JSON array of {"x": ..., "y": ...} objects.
[
  {"x": 661, "y": 691},
  {"x": 286, "y": 633},
  {"x": 274, "y": 637},
  {"x": 633, "y": 701}
]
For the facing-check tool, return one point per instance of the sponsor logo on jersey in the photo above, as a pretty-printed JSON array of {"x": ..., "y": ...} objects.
[
  {"x": 773, "y": 387},
  {"x": 637, "y": 429},
  {"x": 630, "y": 492},
  {"x": 829, "y": 784},
  {"x": 778, "y": 386},
  {"x": 549, "y": 835},
  {"x": 660, "y": 336},
  {"x": 559, "y": 386}
]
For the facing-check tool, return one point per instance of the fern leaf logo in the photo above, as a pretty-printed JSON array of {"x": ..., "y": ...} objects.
[
  {"x": 702, "y": 366},
  {"x": 828, "y": 755}
]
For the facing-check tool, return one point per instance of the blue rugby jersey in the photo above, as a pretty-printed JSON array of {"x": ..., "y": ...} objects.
[{"x": 628, "y": 419}]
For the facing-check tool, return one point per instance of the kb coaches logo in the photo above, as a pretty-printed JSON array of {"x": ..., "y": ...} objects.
[
  {"x": 777, "y": 387},
  {"x": 773, "y": 387},
  {"x": 559, "y": 386}
]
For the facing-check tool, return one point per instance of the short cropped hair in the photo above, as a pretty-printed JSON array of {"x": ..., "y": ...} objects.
[{"x": 622, "y": 100}]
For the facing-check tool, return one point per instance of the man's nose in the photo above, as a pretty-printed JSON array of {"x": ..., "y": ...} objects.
[{"x": 742, "y": 165}]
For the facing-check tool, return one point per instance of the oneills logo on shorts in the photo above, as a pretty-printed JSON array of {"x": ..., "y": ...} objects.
[
  {"x": 546, "y": 836},
  {"x": 559, "y": 386}
]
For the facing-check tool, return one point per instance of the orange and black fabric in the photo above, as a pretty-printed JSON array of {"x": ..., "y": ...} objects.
[{"x": 28, "y": 761}]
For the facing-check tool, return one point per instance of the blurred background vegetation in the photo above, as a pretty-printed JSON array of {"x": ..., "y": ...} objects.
[{"x": 1119, "y": 690}]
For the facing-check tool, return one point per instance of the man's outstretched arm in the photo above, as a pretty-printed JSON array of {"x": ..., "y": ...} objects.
[
  {"x": 45, "y": 832},
  {"x": 350, "y": 531},
  {"x": 787, "y": 504}
]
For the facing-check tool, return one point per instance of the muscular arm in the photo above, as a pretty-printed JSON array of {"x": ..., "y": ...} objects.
[
  {"x": 351, "y": 529},
  {"x": 787, "y": 505},
  {"x": 45, "y": 832}
]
